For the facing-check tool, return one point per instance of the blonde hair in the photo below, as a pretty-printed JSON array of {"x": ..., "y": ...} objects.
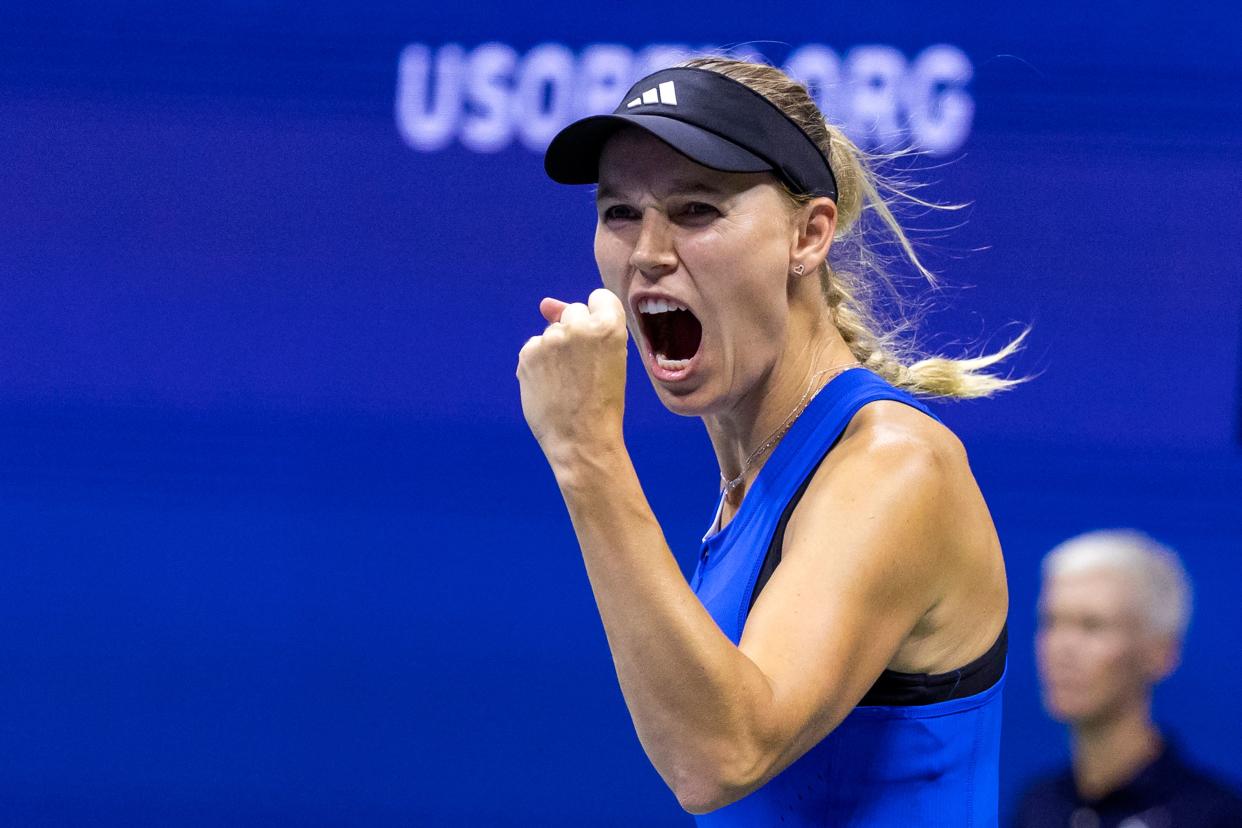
[{"x": 856, "y": 275}]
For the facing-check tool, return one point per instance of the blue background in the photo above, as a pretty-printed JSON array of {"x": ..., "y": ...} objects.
[{"x": 277, "y": 547}]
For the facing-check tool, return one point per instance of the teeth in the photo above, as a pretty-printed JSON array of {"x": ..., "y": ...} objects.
[
  {"x": 659, "y": 306},
  {"x": 671, "y": 364}
]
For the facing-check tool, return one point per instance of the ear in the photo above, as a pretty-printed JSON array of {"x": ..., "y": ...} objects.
[
  {"x": 1164, "y": 654},
  {"x": 815, "y": 223}
]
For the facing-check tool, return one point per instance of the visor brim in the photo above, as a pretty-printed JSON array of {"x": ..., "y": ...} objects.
[{"x": 573, "y": 155}]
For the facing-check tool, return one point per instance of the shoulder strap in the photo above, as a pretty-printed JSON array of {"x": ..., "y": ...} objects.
[
  {"x": 891, "y": 689},
  {"x": 867, "y": 388}
]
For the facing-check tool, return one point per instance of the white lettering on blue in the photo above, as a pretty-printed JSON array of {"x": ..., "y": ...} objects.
[{"x": 492, "y": 95}]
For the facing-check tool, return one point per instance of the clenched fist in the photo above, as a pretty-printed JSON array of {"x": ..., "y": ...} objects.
[{"x": 573, "y": 375}]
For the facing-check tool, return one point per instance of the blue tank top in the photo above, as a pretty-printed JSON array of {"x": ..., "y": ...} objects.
[{"x": 930, "y": 764}]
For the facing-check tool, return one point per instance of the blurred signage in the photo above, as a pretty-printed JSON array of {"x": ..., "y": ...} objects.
[{"x": 490, "y": 96}]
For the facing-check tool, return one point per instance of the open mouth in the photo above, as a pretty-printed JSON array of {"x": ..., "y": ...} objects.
[{"x": 672, "y": 331}]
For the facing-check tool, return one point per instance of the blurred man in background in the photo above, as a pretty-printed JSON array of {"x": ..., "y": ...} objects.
[{"x": 1113, "y": 610}]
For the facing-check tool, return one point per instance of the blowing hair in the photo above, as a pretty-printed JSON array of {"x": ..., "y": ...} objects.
[{"x": 873, "y": 317}]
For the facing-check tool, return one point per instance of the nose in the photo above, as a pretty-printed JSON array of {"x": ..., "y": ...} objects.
[{"x": 654, "y": 254}]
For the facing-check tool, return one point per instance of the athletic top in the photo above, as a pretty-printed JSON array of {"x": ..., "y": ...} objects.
[{"x": 920, "y": 749}]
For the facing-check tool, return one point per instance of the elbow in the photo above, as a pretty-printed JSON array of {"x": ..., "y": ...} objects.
[
  {"x": 704, "y": 800},
  {"x": 713, "y": 785},
  {"x": 699, "y": 796}
]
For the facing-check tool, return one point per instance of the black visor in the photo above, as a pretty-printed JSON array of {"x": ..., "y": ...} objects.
[{"x": 707, "y": 117}]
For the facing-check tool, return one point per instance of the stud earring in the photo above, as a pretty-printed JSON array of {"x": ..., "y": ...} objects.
[{"x": 798, "y": 269}]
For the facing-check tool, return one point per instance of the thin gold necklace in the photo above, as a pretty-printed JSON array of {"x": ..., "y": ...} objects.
[{"x": 730, "y": 485}]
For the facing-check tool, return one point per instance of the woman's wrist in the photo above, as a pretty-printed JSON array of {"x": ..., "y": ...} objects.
[{"x": 582, "y": 464}]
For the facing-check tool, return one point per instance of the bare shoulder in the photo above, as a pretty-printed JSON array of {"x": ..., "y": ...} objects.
[
  {"x": 891, "y": 446},
  {"x": 911, "y": 468},
  {"x": 921, "y": 476},
  {"x": 890, "y": 431}
]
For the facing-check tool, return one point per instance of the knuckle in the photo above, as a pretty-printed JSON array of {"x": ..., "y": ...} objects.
[
  {"x": 605, "y": 327},
  {"x": 532, "y": 349}
]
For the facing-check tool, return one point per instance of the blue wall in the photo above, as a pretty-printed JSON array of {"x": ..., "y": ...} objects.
[{"x": 278, "y": 547}]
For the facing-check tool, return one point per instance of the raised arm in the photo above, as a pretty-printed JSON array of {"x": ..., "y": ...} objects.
[{"x": 859, "y": 571}]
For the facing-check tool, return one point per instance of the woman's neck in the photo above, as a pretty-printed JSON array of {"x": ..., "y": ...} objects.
[{"x": 772, "y": 404}]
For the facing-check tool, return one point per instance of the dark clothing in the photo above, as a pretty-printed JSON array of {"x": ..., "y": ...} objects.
[{"x": 1168, "y": 793}]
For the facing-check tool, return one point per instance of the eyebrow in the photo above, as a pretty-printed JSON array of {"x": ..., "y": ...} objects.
[{"x": 679, "y": 186}]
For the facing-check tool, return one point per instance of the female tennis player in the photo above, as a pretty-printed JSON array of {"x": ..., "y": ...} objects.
[{"x": 838, "y": 656}]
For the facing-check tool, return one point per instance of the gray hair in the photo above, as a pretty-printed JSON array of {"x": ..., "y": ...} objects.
[{"x": 1164, "y": 597}]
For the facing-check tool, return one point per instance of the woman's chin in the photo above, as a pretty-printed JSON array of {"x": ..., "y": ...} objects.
[{"x": 682, "y": 400}]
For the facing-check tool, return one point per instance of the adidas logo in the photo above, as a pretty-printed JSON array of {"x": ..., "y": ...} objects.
[{"x": 665, "y": 93}]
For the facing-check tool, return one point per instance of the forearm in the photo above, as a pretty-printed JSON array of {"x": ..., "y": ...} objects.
[{"x": 698, "y": 703}]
